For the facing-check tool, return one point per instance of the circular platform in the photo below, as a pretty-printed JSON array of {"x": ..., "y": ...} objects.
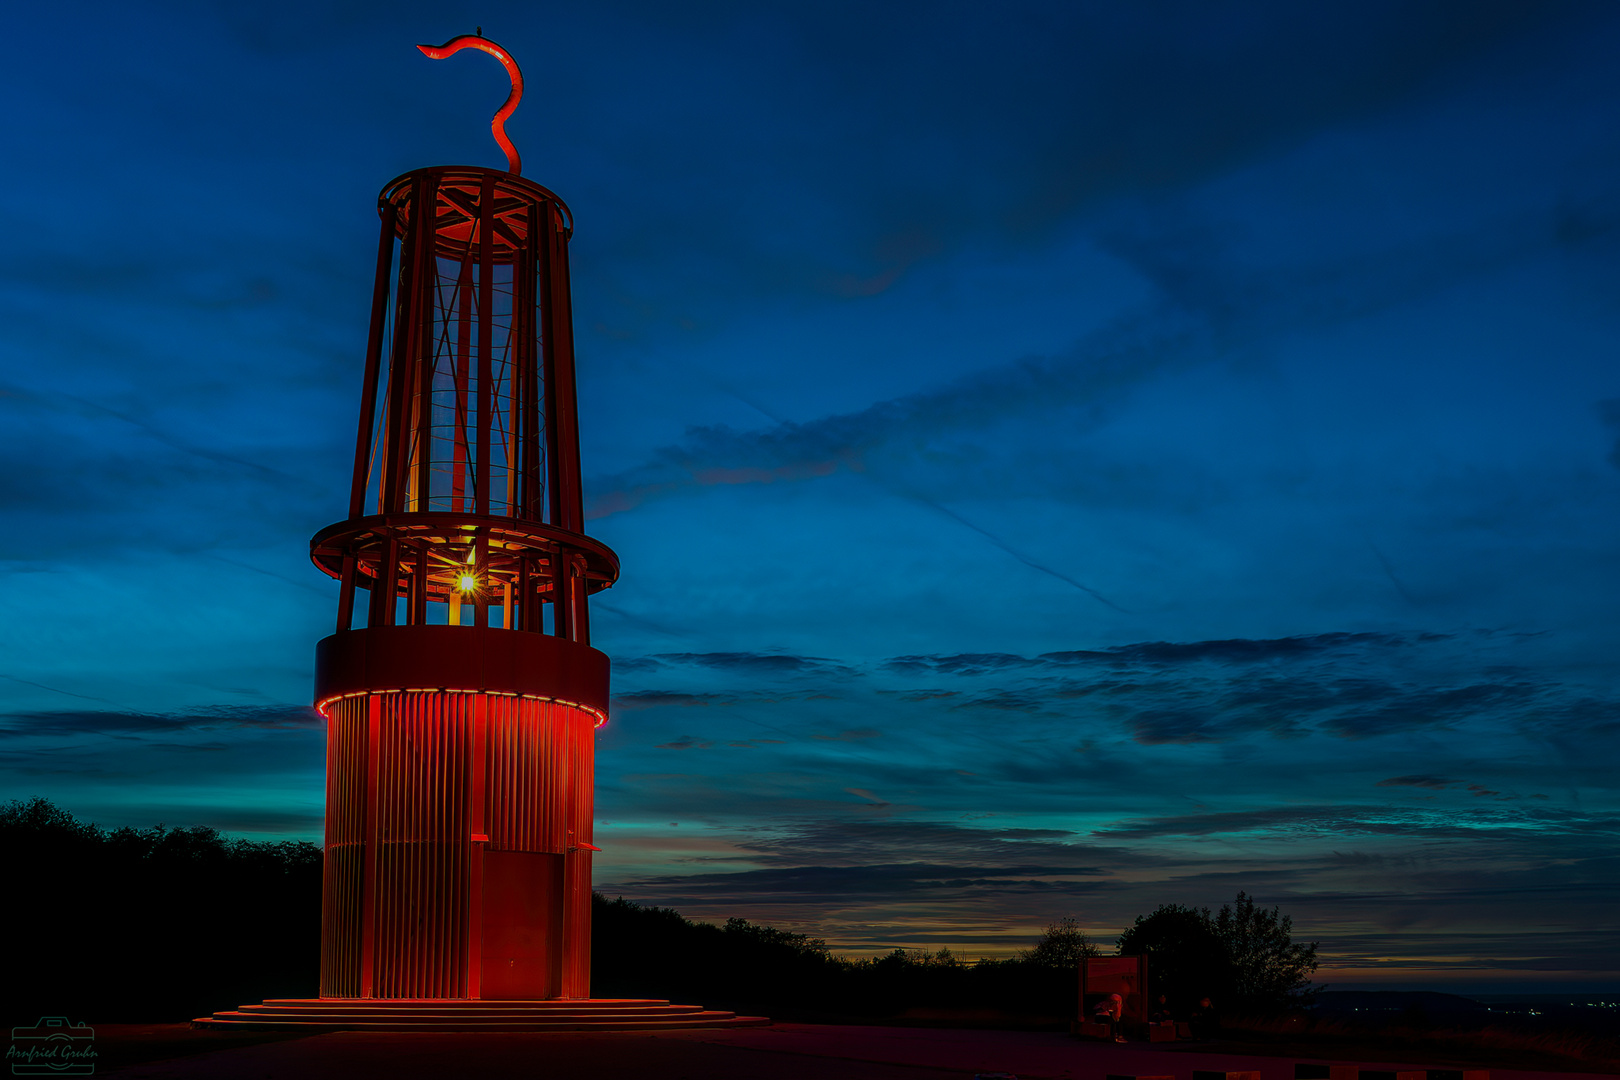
[{"x": 418, "y": 1014}]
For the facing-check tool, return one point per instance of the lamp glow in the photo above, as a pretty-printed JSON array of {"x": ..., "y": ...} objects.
[{"x": 467, "y": 583}]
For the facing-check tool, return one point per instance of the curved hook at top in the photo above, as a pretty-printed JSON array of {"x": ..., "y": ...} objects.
[{"x": 497, "y": 126}]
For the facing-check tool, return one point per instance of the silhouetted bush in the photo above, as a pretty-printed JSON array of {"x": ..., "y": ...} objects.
[
  {"x": 151, "y": 924},
  {"x": 163, "y": 924},
  {"x": 654, "y": 952}
]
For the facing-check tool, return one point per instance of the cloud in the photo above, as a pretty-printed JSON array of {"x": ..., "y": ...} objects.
[
  {"x": 1228, "y": 650},
  {"x": 850, "y": 735},
  {"x": 686, "y": 742},
  {"x": 1437, "y": 783},
  {"x": 1405, "y": 710},
  {"x": 874, "y": 881},
  {"x": 958, "y": 664},
  {"x": 1165, "y": 653},
  {"x": 653, "y": 699},
  {"x": 859, "y": 842},
  {"x": 1005, "y": 701},
  {"x": 1103, "y": 368},
  {"x": 69, "y": 722},
  {"x": 1349, "y": 820},
  {"x": 750, "y": 663}
]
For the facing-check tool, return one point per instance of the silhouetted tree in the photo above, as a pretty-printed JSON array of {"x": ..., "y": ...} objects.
[
  {"x": 1186, "y": 957},
  {"x": 1244, "y": 958},
  {"x": 1062, "y": 946},
  {"x": 1269, "y": 971}
]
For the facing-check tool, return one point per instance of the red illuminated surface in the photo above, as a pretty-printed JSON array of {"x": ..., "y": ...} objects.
[
  {"x": 497, "y": 126},
  {"x": 415, "y": 904}
]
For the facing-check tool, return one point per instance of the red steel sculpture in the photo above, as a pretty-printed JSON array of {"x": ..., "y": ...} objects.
[
  {"x": 462, "y": 696},
  {"x": 460, "y": 687}
]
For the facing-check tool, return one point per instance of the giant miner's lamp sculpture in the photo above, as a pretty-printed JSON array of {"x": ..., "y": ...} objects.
[{"x": 460, "y": 688}]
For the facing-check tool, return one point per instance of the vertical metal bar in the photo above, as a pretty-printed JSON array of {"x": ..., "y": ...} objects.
[
  {"x": 486, "y": 325},
  {"x": 369, "y": 898},
  {"x": 419, "y": 587},
  {"x": 540, "y": 256},
  {"x": 477, "y": 825},
  {"x": 563, "y": 411},
  {"x": 427, "y": 355},
  {"x": 486, "y": 584},
  {"x": 368, "y": 393},
  {"x": 562, "y": 573},
  {"x": 345, "y": 612},
  {"x": 546, "y": 250},
  {"x": 407, "y": 335},
  {"x": 398, "y": 364},
  {"x": 580, "y": 597},
  {"x": 380, "y": 609},
  {"x": 523, "y": 591},
  {"x": 458, "y": 461},
  {"x": 519, "y": 345}
]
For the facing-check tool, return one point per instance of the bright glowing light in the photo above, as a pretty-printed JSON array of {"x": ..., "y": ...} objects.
[{"x": 467, "y": 583}]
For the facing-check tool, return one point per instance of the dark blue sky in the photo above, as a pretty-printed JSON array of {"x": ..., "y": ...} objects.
[{"x": 1065, "y": 458}]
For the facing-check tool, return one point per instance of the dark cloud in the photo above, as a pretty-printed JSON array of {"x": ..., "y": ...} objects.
[
  {"x": 1437, "y": 783},
  {"x": 1353, "y": 820},
  {"x": 67, "y": 722},
  {"x": 1227, "y": 651},
  {"x": 1165, "y": 653},
  {"x": 1406, "y": 710},
  {"x": 813, "y": 884},
  {"x": 750, "y": 663},
  {"x": 959, "y": 664},
  {"x": 1005, "y": 701},
  {"x": 851, "y": 843},
  {"x": 928, "y": 695},
  {"x": 686, "y": 742},
  {"x": 653, "y": 699},
  {"x": 850, "y": 735},
  {"x": 1155, "y": 727}
]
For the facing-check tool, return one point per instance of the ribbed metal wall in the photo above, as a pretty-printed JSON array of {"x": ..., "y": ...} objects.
[
  {"x": 345, "y": 848},
  {"x": 425, "y": 758},
  {"x": 422, "y": 839}
]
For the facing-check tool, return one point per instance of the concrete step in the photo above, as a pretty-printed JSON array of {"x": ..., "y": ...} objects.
[
  {"x": 600, "y": 1014},
  {"x": 385, "y": 1011}
]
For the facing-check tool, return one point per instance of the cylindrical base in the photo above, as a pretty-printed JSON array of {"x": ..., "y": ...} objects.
[{"x": 458, "y": 819}]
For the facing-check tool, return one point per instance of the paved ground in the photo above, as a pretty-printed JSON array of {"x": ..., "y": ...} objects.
[{"x": 782, "y": 1052}]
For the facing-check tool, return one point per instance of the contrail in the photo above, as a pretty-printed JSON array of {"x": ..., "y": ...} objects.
[
  {"x": 58, "y": 690},
  {"x": 1026, "y": 560},
  {"x": 1390, "y": 572},
  {"x": 953, "y": 515}
]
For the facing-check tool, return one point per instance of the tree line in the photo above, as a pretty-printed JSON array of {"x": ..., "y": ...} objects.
[{"x": 168, "y": 923}]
